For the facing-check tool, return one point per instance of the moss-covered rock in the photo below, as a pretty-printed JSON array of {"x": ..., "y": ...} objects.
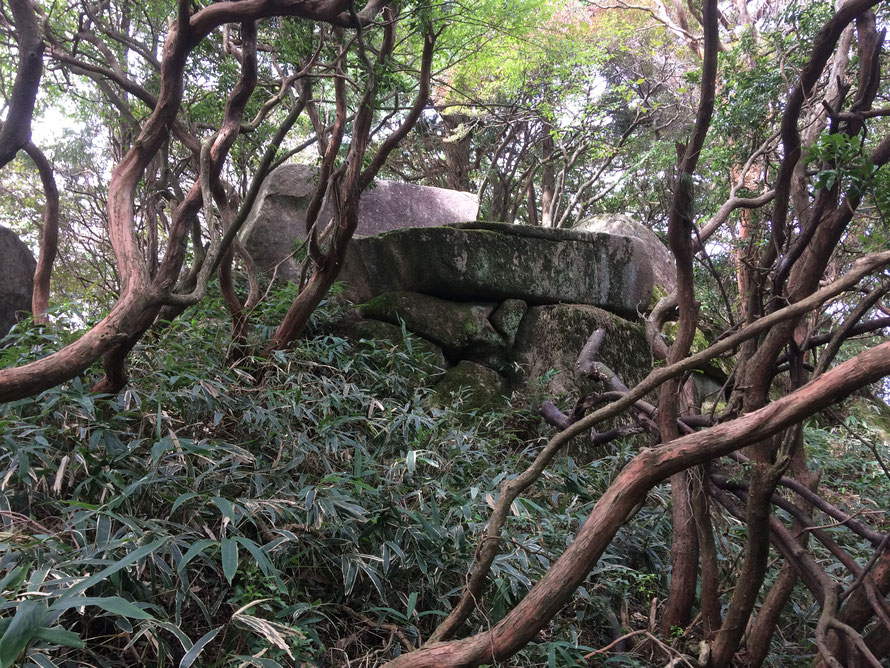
[
  {"x": 659, "y": 257},
  {"x": 483, "y": 261},
  {"x": 551, "y": 337},
  {"x": 507, "y": 318},
  {"x": 462, "y": 329},
  {"x": 375, "y": 330},
  {"x": 480, "y": 386},
  {"x": 16, "y": 279}
]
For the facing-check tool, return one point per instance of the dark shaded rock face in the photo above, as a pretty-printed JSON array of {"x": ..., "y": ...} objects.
[
  {"x": 497, "y": 346},
  {"x": 16, "y": 279},
  {"x": 277, "y": 223},
  {"x": 480, "y": 386},
  {"x": 461, "y": 329},
  {"x": 664, "y": 270},
  {"x": 491, "y": 261},
  {"x": 551, "y": 337}
]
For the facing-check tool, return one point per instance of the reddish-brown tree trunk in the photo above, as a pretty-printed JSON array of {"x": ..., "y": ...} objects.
[
  {"x": 140, "y": 297},
  {"x": 647, "y": 469},
  {"x": 49, "y": 235},
  {"x": 684, "y": 549},
  {"x": 767, "y": 620},
  {"x": 347, "y": 187},
  {"x": 531, "y": 201},
  {"x": 858, "y": 610},
  {"x": 15, "y": 131},
  {"x": 548, "y": 179},
  {"x": 710, "y": 592},
  {"x": 684, "y": 556}
]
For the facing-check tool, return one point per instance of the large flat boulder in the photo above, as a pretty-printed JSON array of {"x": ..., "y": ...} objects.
[
  {"x": 664, "y": 269},
  {"x": 16, "y": 279},
  {"x": 493, "y": 262},
  {"x": 276, "y": 225}
]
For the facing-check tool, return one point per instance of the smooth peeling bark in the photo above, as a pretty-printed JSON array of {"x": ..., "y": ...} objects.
[
  {"x": 684, "y": 555},
  {"x": 710, "y": 572},
  {"x": 124, "y": 324},
  {"x": 814, "y": 248},
  {"x": 646, "y": 470},
  {"x": 15, "y": 132},
  {"x": 132, "y": 266},
  {"x": 74, "y": 359},
  {"x": 823, "y": 587},
  {"x": 186, "y": 215},
  {"x": 819, "y": 248},
  {"x": 766, "y": 622},
  {"x": 684, "y": 547},
  {"x": 822, "y": 50},
  {"x": 345, "y": 191},
  {"x": 857, "y": 611},
  {"x": 114, "y": 360},
  {"x": 49, "y": 236},
  {"x": 764, "y": 478}
]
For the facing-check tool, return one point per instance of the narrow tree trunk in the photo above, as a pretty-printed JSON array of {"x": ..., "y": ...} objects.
[
  {"x": 49, "y": 235},
  {"x": 858, "y": 611},
  {"x": 532, "y": 204},
  {"x": 764, "y": 478},
  {"x": 710, "y": 592},
  {"x": 322, "y": 279},
  {"x": 15, "y": 131},
  {"x": 684, "y": 556},
  {"x": 457, "y": 152},
  {"x": 767, "y": 620},
  {"x": 548, "y": 179}
]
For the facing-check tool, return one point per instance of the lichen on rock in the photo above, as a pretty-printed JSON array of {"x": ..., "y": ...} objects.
[
  {"x": 479, "y": 386},
  {"x": 479, "y": 261},
  {"x": 460, "y": 328}
]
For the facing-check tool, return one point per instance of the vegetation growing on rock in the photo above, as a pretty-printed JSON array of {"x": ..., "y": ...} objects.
[{"x": 227, "y": 481}]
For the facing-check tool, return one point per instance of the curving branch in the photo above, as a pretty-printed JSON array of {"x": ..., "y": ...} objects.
[
  {"x": 346, "y": 184},
  {"x": 646, "y": 470},
  {"x": 817, "y": 580},
  {"x": 141, "y": 296},
  {"x": 851, "y": 326},
  {"x": 15, "y": 131},
  {"x": 790, "y": 135},
  {"x": 49, "y": 235}
]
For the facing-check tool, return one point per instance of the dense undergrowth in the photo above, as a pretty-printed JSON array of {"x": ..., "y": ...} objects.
[{"x": 325, "y": 515}]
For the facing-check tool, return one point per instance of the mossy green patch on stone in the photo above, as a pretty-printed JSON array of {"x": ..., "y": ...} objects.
[
  {"x": 500, "y": 262},
  {"x": 456, "y": 326},
  {"x": 378, "y": 331},
  {"x": 551, "y": 338},
  {"x": 479, "y": 386}
]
